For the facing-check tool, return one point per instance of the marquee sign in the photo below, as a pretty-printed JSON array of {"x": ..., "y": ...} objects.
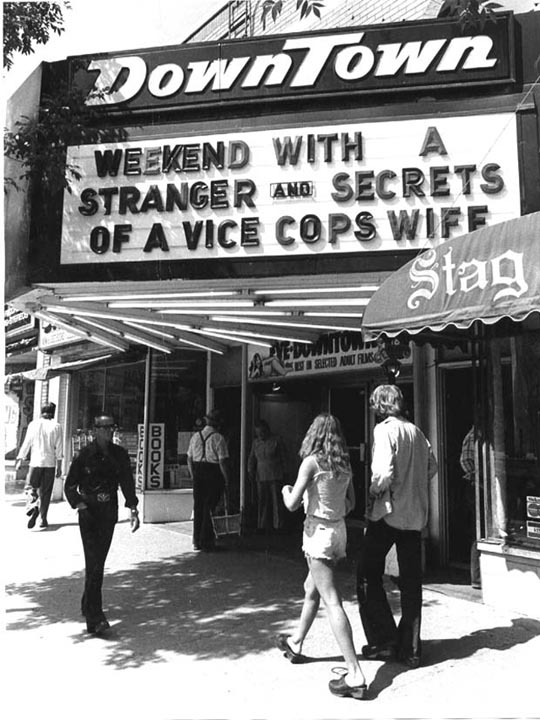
[
  {"x": 290, "y": 192},
  {"x": 395, "y": 57}
]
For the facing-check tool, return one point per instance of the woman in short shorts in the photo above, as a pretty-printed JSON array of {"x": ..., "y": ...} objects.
[{"x": 324, "y": 485}]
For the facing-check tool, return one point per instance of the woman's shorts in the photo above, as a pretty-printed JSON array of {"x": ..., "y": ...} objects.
[{"x": 324, "y": 539}]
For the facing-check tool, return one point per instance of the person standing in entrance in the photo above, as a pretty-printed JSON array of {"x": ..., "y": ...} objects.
[
  {"x": 468, "y": 462},
  {"x": 91, "y": 488},
  {"x": 402, "y": 466},
  {"x": 44, "y": 443},
  {"x": 324, "y": 483},
  {"x": 266, "y": 467},
  {"x": 208, "y": 463}
]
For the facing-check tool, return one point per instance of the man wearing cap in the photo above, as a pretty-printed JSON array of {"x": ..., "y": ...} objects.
[
  {"x": 44, "y": 443},
  {"x": 91, "y": 488},
  {"x": 208, "y": 463}
]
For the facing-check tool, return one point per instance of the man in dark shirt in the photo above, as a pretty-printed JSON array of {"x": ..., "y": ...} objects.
[{"x": 91, "y": 488}]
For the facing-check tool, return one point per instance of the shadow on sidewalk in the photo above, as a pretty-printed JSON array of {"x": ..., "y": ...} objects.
[
  {"x": 198, "y": 604},
  {"x": 441, "y": 650}
]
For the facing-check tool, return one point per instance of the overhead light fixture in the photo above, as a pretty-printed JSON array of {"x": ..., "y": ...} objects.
[
  {"x": 180, "y": 304},
  {"x": 334, "y": 314},
  {"x": 282, "y": 323},
  {"x": 309, "y": 290},
  {"x": 199, "y": 345},
  {"x": 99, "y": 326},
  {"x": 236, "y": 338},
  {"x": 149, "y": 343},
  {"x": 270, "y": 336},
  {"x": 261, "y": 311},
  {"x": 318, "y": 302},
  {"x": 149, "y": 296},
  {"x": 151, "y": 330}
]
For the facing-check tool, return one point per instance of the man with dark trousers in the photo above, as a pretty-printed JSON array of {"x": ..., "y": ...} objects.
[
  {"x": 208, "y": 463},
  {"x": 401, "y": 468},
  {"x": 91, "y": 488},
  {"x": 44, "y": 443}
]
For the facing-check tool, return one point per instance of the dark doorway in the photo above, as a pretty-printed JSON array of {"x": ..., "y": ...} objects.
[{"x": 458, "y": 413}]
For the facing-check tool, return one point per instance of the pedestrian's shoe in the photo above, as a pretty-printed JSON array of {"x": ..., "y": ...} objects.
[
  {"x": 292, "y": 656},
  {"x": 43, "y": 524},
  {"x": 33, "y": 517},
  {"x": 340, "y": 688},
  {"x": 98, "y": 628},
  {"x": 386, "y": 653},
  {"x": 410, "y": 660}
]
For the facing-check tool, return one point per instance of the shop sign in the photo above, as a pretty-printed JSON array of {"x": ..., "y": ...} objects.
[
  {"x": 393, "y": 58},
  {"x": 51, "y": 336},
  {"x": 155, "y": 466},
  {"x": 291, "y": 192},
  {"x": 17, "y": 322},
  {"x": 533, "y": 529},
  {"x": 332, "y": 353},
  {"x": 533, "y": 507}
]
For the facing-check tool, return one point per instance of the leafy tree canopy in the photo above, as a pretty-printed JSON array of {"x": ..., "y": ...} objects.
[{"x": 30, "y": 23}]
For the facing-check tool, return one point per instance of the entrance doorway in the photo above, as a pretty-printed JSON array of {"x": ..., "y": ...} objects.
[
  {"x": 350, "y": 406},
  {"x": 458, "y": 414}
]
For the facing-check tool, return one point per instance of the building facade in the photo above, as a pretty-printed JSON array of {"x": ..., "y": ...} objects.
[{"x": 222, "y": 249}]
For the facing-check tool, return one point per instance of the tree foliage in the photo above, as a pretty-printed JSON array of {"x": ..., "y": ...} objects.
[
  {"x": 29, "y": 23},
  {"x": 470, "y": 14},
  {"x": 39, "y": 144},
  {"x": 273, "y": 9}
]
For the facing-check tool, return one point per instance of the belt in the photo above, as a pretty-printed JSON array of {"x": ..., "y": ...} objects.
[{"x": 101, "y": 497}]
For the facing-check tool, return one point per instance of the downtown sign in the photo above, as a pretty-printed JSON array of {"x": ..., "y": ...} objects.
[{"x": 353, "y": 61}]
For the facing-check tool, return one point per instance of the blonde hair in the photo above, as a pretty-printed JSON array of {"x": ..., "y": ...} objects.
[
  {"x": 325, "y": 440},
  {"x": 387, "y": 400}
]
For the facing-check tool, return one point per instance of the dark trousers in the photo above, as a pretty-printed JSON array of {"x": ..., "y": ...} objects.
[
  {"x": 379, "y": 625},
  {"x": 96, "y": 525},
  {"x": 207, "y": 487},
  {"x": 38, "y": 489}
]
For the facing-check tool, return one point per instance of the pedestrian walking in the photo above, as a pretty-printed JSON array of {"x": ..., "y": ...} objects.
[
  {"x": 44, "y": 443},
  {"x": 266, "y": 468},
  {"x": 91, "y": 488},
  {"x": 402, "y": 466},
  {"x": 208, "y": 463},
  {"x": 324, "y": 485}
]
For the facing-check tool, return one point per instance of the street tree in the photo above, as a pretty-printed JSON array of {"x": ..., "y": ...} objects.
[{"x": 29, "y": 23}]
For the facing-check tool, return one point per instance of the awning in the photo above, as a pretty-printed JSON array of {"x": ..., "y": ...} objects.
[
  {"x": 486, "y": 275},
  {"x": 210, "y": 314},
  {"x": 46, "y": 373}
]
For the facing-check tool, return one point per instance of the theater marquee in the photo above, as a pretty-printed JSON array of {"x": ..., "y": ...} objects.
[{"x": 332, "y": 189}]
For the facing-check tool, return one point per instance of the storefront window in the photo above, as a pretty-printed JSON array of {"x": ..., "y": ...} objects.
[
  {"x": 178, "y": 403},
  {"x": 515, "y": 401},
  {"x": 117, "y": 390}
]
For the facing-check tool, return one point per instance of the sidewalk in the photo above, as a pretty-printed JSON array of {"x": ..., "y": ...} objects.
[{"x": 193, "y": 635}]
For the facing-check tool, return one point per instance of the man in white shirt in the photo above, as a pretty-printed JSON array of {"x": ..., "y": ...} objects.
[
  {"x": 208, "y": 463},
  {"x": 44, "y": 443},
  {"x": 402, "y": 467}
]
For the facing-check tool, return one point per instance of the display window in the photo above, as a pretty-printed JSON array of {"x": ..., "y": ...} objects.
[
  {"x": 177, "y": 404},
  {"x": 117, "y": 390},
  {"x": 514, "y": 416}
]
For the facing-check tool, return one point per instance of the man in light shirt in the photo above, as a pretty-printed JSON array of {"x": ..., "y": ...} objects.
[
  {"x": 401, "y": 468},
  {"x": 43, "y": 442}
]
